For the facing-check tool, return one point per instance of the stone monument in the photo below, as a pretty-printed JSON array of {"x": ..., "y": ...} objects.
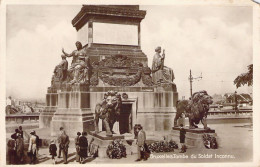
[
  {"x": 196, "y": 109},
  {"x": 103, "y": 63}
]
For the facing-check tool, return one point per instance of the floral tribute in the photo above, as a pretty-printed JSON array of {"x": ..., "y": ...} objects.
[
  {"x": 210, "y": 141},
  {"x": 163, "y": 146},
  {"x": 116, "y": 150}
]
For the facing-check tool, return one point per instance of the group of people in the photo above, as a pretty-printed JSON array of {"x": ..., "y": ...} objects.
[
  {"x": 81, "y": 145},
  {"x": 16, "y": 149}
]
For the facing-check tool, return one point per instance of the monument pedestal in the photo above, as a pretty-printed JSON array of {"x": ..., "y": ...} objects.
[
  {"x": 73, "y": 112},
  {"x": 50, "y": 108},
  {"x": 102, "y": 142},
  {"x": 193, "y": 137}
]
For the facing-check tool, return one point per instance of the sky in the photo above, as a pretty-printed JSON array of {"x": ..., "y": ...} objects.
[{"x": 213, "y": 40}]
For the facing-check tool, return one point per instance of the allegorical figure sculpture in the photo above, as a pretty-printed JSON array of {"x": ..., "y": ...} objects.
[
  {"x": 196, "y": 109},
  {"x": 157, "y": 66},
  {"x": 80, "y": 65},
  {"x": 161, "y": 73},
  {"x": 108, "y": 110},
  {"x": 60, "y": 70}
]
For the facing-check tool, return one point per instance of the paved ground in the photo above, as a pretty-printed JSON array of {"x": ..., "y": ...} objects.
[{"x": 235, "y": 146}]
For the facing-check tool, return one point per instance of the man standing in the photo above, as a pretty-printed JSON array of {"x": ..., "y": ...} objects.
[
  {"x": 19, "y": 148},
  {"x": 37, "y": 143},
  {"x": 32, "y": 147},
  {"x": 182, "y": 139},
  {"x": 64, "y": 145},
  {"x": 21, "y": 131},
  {"x": 77, "y": 146},
  {"x": 83, "y": 146},
  {"x": 141, "y": 137},
  {"x": 59, "y": 142}
]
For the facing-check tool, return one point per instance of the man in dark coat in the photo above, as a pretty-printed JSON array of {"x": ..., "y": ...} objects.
[
  {"x": 77, "y": 146},
  {"x": 83, "y": 147},
  {"x": 14, "y": 135},
  {"x": 21, "y": 131},
  {"x": 64, "y": 145},
  {"x": 19, "y": 149},
  {"x": 11, "y": 152},
  {"x": 182, "y": 139}
]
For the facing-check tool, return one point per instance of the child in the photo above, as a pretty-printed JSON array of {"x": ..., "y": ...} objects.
[
  {"x": 182, "y": 139},
  {"x": 53, "y": 150}
]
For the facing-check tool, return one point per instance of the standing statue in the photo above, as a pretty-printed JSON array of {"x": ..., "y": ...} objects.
[
  {"x": 196, "y": 109},
  {"x": 158, "y": 65},
  {"x": 108, "y": 110},
  {"x": 80, "y": 65}
]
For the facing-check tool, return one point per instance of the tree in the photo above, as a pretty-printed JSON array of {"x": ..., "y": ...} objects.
[{"x": 245, "y": 78}]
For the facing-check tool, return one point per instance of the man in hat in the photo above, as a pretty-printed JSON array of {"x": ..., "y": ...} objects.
[
  {"x": 64, "y": 145},
  {"x": 21, "y": 131},
  {"x": 59, "y": 142},
  {"x": 141, "y": 137},
  {"x": 77, "y": 146},
  {"x": 157, "y": 66},
  {"x": 182, "y": 139},
  {"x": 19, "y": 148}
]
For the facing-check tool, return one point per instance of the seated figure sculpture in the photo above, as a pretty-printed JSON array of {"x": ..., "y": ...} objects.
[
  {"x": 80, "y": 65},
  {"x": 161, "y": 73},
  {"x": 60, "y": 70}
]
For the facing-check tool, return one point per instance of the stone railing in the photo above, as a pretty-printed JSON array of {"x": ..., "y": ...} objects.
[
  {"x": 22, "y": 118},
  {"x": 240, "y": 112}
]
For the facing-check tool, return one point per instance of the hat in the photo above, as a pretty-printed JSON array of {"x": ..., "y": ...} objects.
[
  {"x": 32, "y": 132},
  {"x": 52, "y": 140},
  {"x": 158, "y": 48}
]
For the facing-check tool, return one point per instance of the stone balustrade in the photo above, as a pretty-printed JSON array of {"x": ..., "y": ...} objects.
[
  {"x": 22, "y": 118},
  {"x": 241, "y": 112}
]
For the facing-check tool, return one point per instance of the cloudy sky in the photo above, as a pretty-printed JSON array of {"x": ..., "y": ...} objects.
[{"x": 213, "y": 40}]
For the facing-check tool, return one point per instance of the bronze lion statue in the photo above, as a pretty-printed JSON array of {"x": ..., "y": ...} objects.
[
  {"x": 196, "y": 109},
  {"x": 108, "y": 110}
]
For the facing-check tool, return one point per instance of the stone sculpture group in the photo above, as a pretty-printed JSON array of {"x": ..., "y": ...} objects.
[
  {"x": 116, "y": 70},
  {"x": 196, "y": 109},
  {"x": 108, "y": 110}
]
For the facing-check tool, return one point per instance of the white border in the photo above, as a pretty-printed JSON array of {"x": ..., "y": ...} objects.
[{"x": 256, "y": 54}]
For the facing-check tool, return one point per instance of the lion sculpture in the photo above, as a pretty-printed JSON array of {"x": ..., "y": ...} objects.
[
  {"x": 108, "y": 110},
  {"x": 196, "y": 109}
]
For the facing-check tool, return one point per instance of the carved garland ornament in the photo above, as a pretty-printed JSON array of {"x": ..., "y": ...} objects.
[
  {"x": 116, "y": 81},
  {"x": 104, "y": 70}
]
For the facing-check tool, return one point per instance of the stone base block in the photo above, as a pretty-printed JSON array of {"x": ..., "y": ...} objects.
[
  {"x": 46, "y": 117},
  {"x": 71, "y": 127},
  {"x": 193, "y": 137}
]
